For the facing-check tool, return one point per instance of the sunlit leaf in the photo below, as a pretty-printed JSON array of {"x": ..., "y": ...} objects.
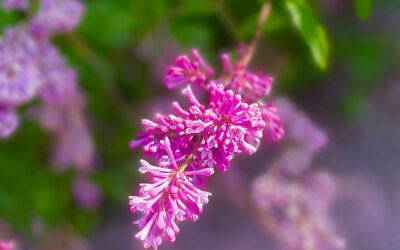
[{"x": 311, "y": 30}]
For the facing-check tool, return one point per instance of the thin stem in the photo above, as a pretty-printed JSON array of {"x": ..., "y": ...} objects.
[
  {"x": 262, "y": 18},
  {"x": 227, "y": 20},
  {"x": 191, "y": 156},
  {"x": 101, "y": 68}
]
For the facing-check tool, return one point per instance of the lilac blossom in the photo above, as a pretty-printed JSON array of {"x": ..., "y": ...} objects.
[
  {"x": 15, "y": 4},
  {"x": 300, "y": 128},
  {"x": 186, "y": 71},
  {"x": 228, "y": 126},
  {"x": 73, "y": 143},
  {"x": 190, "y": 143},
  {"x": 171, "y": 197},
  {"x": 19, "y": 73},
  {"x": 294, "y": 197},
  {"x": 298, "y": 209},
  {"x": 86, "y": 193},
  {"x": 56, "y": 16},
  {"x": 251, "y": 86},
  {"x": 269, "y": 113},
  {"x": 62, "y": 112},
  {"x": 31, "y": 68}
]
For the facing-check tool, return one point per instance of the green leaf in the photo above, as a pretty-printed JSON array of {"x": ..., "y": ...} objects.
[
  {"x": 311, "y": 30},
  {"x": 363, "y": 8}
]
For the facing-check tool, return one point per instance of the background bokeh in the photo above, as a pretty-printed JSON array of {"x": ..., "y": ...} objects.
[{"x": 338, "y": 63}]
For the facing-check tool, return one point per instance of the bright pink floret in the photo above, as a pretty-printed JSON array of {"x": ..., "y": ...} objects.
[
  {"x": 186, "y": 71},
  {"x": 250, "y": 85}
]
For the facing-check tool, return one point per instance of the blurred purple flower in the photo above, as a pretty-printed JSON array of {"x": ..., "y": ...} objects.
[
  {"x": 299, "y": 127},
  {"x": 30, "y": 67},
  {"x": 19, "y": 73},
  {"x": 73, "y": 143},
  {"x": 62, "y": 112},
  {"x": 87, "y": 195},
  {"x": 15, "y": 4},
  {"x": 294, "y": 197},
  {"x": 56, "y": 16},
  {"x": 269, "y": 113},
  {"x": 298, "y": 209},
  {"x": 6, "y": 245},
  {"x": 8, "y": 122}
]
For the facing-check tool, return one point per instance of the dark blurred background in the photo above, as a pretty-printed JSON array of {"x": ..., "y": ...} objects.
[{"x": 339, "y": 64}]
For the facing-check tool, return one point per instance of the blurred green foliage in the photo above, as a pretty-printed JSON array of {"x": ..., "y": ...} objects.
[
  {"x": 363, "y": 8},
  {"x": 116, "y": 80}
]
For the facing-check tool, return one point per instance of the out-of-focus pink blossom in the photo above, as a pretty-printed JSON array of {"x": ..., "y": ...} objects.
[
  {"x": 73, "y": 143},
  {"x": 6, "y": 245},
  {"x": 269, "y": 114},
  {"x": 8, "y": 122},
  {"x": 15, "y": 4},
  {"x": 62, "y": 112},
  {"x": 56, "y": 16},
  {"x": 298, "y": 209},
  {"x": 294, "y": 198},
  {"x": 186, "y": 71},
  {"x": 19, "y": 73},
  {"x": 299, "y": 127},
  {"x": 30, "y": 67},
  {"x": 86, "y": 193}
]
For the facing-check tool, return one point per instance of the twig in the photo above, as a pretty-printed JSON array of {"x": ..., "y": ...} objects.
[
  {"x": 227, "y": 20},
  {"x": 190, "y": 157},
  {"x": 100, "y": 67},
  {"x": 262, "y": 18}
]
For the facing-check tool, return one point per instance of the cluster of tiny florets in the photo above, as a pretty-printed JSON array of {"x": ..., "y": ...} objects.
[{"x": 188, "y": 144}]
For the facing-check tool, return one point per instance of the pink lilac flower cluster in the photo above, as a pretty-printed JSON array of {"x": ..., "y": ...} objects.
[
  {"x": 190, "y": 143},
  {"x": 6, "y": 245},
  {"x": 296, "y": 197}
]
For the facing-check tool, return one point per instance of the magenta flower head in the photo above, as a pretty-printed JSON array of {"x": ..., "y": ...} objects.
[
  {"x": 186, "y": 71},
  {"x": 190, "y": 143},
  {"x": 171, "y": 197},
  {"x": 15, "y": 4},
  {"x": 250, "y": 85},
  {"x": 232, "y": 126},
  {"x": 56, "y": 16},
  {"x": 228, "y": 126}
]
